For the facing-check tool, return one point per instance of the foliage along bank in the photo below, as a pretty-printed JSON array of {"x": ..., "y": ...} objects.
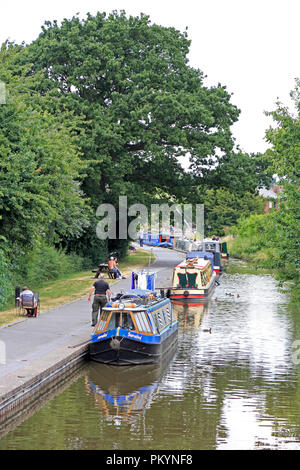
[
  {"x": 273, "y": 240},
  {"x": 102, "y": 107}
]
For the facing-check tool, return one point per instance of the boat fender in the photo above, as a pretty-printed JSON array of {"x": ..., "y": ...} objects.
[
  {"x": 115, "y": 344},
  {"x": 186, "y": 293}
]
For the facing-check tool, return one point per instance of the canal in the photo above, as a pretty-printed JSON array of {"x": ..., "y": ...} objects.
[{"x": 232, "y": 382}]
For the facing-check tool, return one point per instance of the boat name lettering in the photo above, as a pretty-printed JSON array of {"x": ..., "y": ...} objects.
[
  {"x": 102, "y": 336},
  {"x": 130, "y": 335}
]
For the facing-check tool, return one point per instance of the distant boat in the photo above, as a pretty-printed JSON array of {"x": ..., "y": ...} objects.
[
  {"x": 136, "y": 328},
  {"x": 161, "y": 240},
  {"x": 210, "y": 245},
  {"x": 193, "y": 279}
]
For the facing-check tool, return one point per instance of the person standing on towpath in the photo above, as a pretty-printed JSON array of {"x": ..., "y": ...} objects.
[{"x": 102, "y": 295}]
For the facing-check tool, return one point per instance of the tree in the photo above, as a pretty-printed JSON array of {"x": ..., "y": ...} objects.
[
  {"x": 140, "y": 102},
  {"x": 223, "y": 208},
  {"x": 285, "y": 155},
  {"x": 40, "y": 195},
  {"x": 241, "y": 173}
]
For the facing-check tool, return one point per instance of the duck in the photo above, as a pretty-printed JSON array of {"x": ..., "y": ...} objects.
[
  {"x": 208, "y": 330},
  {"x": 238, "y": 296}
]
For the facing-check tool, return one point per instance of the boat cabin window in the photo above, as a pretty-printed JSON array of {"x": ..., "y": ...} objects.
[
  {"x": 168, "y": 314},
  {"x": 155, "y": 324},
  {"x": 210, "y": 247},
  {"x": 114, "y": 321},
  {"x": 127, "y": 322},
  {"x": 204, "y": 278},
  {"x": 103, "y": 320},
  {"x": 142, "y": 322},
  {"x": 161, "y": 319}
]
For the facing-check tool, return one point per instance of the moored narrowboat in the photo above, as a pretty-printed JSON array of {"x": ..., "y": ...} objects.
[
  {"x": 160, "y": 239},
  {"x": 138, "y": 327},
  {"x": 193, "y": 280},
  {"x": 210, "y": 245}
]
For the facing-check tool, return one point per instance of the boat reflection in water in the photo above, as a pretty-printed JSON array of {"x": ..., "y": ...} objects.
[
  {"x": 190, "y": 315},
  {"x": 123, "y": 393}
]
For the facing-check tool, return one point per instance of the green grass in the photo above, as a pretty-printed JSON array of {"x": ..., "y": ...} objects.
[{"x": 73, "y": 286}]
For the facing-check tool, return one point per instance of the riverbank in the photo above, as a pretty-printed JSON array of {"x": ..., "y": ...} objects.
[
  {"x": 260, "y": 260},
  {"x": 37, "y": 353},
  {"x": 241, "y": 249},
  {"x": 74, "y": 286}
]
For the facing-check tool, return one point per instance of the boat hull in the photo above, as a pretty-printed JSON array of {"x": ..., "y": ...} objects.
[
  {"x": 192, "y": 295},
  {"x": 121, "y": 350}
]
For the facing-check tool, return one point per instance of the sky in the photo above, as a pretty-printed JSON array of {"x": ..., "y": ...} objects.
[{"x": 249, "y": 46}]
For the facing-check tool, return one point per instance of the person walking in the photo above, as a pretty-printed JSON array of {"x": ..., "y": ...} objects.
[{"x": 102, "y": 294}]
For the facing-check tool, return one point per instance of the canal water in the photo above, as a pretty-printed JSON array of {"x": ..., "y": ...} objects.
[{"x": 232, "y": 382}]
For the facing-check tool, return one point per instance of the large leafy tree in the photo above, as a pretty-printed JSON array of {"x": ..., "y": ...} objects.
[
  {"x": 141, "y": 103},
  {"x": 40, "y": 195}
]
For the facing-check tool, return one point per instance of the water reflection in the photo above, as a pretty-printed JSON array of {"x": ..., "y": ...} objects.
[
  {"x": 232, "y": 383},
  {"x": 190, "y": 315},
  {"x": 122, "y": 393}
]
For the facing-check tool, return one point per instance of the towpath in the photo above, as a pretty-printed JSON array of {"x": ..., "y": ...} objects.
[{"x": 29, "y": 346}]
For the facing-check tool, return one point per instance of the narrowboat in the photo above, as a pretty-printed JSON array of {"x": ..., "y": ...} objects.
[
  {"x": 210, "y": 245},
  {"x": 161, "y": 240},
  {"x": 193, "y": 279},
  {"x": 184, "y": 244},
  {"x": 137, "y": 327}
]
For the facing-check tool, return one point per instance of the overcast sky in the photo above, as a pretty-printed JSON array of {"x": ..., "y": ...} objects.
[{"x": 250, "y": 46}]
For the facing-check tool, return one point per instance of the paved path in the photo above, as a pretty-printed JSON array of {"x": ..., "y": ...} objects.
[{"x": 32, "y": 339}]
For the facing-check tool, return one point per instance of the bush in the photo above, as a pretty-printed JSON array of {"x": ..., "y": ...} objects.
[{"x": 46, "y": 263}]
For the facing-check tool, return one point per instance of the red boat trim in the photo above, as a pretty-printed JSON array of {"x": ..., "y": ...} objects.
[{"x": 181, "y": 296}]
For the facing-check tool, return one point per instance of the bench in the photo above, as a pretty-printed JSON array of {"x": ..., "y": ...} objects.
[{"x": 103, "y": 268}]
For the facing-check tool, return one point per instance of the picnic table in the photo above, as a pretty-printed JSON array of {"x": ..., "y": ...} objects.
[{"x": 103, "y": 268}]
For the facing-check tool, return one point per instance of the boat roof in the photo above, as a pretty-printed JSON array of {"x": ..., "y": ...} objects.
[
  {"x": 200, "y": 264},
  {"x": 140, "y": 292},
  {"x": 200, "y": 255},
  {"x": 131, "y": 293}
]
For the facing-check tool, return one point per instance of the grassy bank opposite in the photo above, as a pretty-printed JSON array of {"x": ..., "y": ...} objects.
[
  {"x": 74, "y": 286},
  {"x": 263, "y": 257}
]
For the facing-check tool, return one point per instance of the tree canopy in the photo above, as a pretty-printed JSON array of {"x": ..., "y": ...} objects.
[
  {"x": 141, "y": 103},
  {"x": 40, "y": 193},
  {"x": 285, "y": 155}
]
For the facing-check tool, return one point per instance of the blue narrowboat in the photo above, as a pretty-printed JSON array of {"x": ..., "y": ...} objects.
[
  {"x": 160, "y": 239},
  {"x": 136, "y": 327}
]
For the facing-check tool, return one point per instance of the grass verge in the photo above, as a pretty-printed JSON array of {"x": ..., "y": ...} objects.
[{"x": 74, "y": 286}]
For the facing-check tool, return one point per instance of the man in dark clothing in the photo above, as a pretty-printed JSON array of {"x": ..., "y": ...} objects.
[{"x": 102, "y": 294}]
